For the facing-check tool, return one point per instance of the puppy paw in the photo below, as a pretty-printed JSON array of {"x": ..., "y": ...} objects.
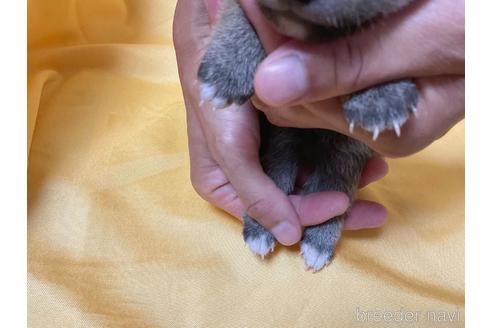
[
  {"x": 227, "y": 70},
  {"x": 260, "y": 241},
  {"x": 319, "y": 243},
  {"x": 221, "y": 86},
  {"x": 315, "y": 259},
  {"x": 383, "y": 107}
]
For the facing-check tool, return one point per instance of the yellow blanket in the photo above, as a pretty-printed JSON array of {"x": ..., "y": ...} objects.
[{"x": 118, "y": 238}]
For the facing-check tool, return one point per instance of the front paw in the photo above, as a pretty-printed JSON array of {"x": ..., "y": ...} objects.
[
  {"x": 228, "y": 67},
  {"x": 260, "y": 241},
  {"x": 222, "y": 85},
  {"x": 384, "y": 107},
  {"x": 227, "y": 70}
]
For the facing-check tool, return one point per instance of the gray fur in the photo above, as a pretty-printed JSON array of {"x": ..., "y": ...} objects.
[
  {"x": 260, "y": 240},
  {"x": 384, "y": 107},
  {"x": 228, "y": 67},
  {"x": 227, "y": 72},
  {"x": 324, "y": 18}
]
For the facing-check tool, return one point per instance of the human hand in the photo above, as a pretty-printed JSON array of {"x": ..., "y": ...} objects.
[
  {"x": 298, "y": 84},
  {"x": 224, "y": 145}
]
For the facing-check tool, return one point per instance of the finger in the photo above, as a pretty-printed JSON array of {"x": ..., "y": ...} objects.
[
  {"x": 318, "y": 207},
  {"x": 207, "y": 177},
  {"x": 441, "y": 105},
  {"x": 212, "y": 9},
  {"x": 312, "y": 209},
  {"x": 397, "y": 47},
  {"x": 235, "y": 137},
  {"x": 264, "y": 201},
  {"x": 212, "y": 184},
  {"x": 223, "y": 195},
  {"x": 376, "y": 168},
  {"x": 269, "y": 37},
  {"x": 364, "y": 215},
  {"x": 232, "y": 141}
]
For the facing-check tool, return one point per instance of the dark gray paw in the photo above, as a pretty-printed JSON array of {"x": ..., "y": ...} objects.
[
  {"x": 319, "y": 243},
  {"x": 228, "y": 67},
  {"x": 384, "y": 107},
  {"x": 222, "y": 86},
  {"x": 259, "y": 240}
]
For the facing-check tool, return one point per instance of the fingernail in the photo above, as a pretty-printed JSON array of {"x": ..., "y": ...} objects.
[
  {"x": 286, "y": 233},
  {"x": 282, "y": 80}
]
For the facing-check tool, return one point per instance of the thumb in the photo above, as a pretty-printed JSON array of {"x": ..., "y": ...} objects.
[
  {"x": 396, "y": 47},
  {"x": 262, "y": 199},
  {"x": 233, "y": 137}
]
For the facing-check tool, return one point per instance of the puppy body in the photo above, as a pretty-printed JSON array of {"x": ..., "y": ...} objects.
[{"x": 227, "y": 73}]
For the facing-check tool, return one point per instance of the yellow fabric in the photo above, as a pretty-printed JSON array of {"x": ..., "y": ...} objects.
[{"x": 118, "y": 238}]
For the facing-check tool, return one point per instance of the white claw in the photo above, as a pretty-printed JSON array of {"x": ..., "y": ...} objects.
[
  {"x": 351, "y": 127},
  {"x": 219, "y": 103},
  {"x": 314, "y": 259},
  {"x": 375, "y": 134},
  {"x": 207, "y": 93},
  {"x": 260, "y": 246},
  {"x": 396, "y": 126}
]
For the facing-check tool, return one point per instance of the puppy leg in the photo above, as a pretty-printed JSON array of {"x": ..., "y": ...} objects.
[
  {"x": 228, "y": 67},
  {"x": 280, "y": 162},
  {"x": 338, "y": 167}
]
